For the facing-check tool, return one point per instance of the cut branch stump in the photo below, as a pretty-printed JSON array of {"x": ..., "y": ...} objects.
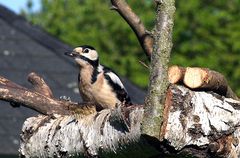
[
  {"x": 201, "y": 79},
  {"x": 194, "y": 123},
  {"x": 176, "y": 74}
]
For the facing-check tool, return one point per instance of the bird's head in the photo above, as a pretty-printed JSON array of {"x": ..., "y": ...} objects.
[{"x": 84, "y": 55}]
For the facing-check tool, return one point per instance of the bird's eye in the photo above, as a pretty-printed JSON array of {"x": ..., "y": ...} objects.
[{"x": 86, "y": 50}]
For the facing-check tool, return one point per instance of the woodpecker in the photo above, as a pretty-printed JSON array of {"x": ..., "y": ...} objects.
[{"x": 96, "y": 82}]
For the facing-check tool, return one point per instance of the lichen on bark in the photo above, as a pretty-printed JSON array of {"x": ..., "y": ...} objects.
[{"x": 158, "y": 85}]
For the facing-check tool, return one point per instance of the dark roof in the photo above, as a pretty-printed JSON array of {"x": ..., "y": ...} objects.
[{"x": 25, "y": 48}]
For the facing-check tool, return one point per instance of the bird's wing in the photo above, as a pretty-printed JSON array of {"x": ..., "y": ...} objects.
[
  {"x": 117, "y": 85},
  {"x": 114, "y": 78}
]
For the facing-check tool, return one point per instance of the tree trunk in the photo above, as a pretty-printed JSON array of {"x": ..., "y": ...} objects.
[
  {"x": 158, "y": 85},
  {"x": 197, "y": 123}
]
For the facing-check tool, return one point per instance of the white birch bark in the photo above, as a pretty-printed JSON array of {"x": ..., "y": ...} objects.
[
  {"x": 70, "y": 136},
  {"x": 198, "y": 123}
]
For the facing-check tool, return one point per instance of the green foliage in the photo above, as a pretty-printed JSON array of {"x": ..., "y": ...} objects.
[
  {"x": 91, "y": 22},
  {"x": 206, "y": 33}
]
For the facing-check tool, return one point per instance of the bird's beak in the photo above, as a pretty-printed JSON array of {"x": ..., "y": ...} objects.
[{"x": 71, "y": 54}]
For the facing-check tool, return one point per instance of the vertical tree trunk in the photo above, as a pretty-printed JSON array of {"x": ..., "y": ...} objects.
[{"x": 158, "y": 68}]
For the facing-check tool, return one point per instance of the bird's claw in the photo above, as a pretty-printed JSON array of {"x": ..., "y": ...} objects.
[{"x": 65, "y": 98}]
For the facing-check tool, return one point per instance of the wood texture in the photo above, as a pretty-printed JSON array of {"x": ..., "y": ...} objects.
[
  {"x": 91, "y": 136},
  {"x": 176, "y": 74},
  {"x": 206, "y": 79},
  {"x": 39, "y": 85},
  {"x": 40, "y": 99},
  {"x": 144, "y": 38},
  {"x": 197, "y": 124},
  {"x": 158, "y": 82},
  {"x": 204, "y": 124}
]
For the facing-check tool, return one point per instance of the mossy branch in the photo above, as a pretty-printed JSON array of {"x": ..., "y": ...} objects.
[{"x": 159, "y": 68}]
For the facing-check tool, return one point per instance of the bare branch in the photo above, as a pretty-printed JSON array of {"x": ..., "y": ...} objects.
[
  {"x": 12, "y": 92},
  {"x": 6, "y": 82},
  {"x": 144, "y": 64},
  {"x": 144, "y": 38},
  {"x": 39, "y": 85}
]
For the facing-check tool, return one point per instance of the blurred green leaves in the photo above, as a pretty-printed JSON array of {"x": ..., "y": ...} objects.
[
  {"x": 79, "y": 22},
  {"x": 206, "y": 33}
]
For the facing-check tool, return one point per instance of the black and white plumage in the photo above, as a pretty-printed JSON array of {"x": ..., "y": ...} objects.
[{"x": 97, "y": 83}]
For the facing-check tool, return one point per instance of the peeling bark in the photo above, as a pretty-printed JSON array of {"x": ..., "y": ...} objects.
[
  {"x": 105, "y": 132},
  {"x": 208, "y": 123},
  {"x": 194, "y": 123}
]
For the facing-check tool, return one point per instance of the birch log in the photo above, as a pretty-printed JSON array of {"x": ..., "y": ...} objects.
[
  {"x": 197, "y": 123},
  {"x": 206, "y": 79},
  {"x": 88, "y": 136},
  {"x": 204, "y": 124}
]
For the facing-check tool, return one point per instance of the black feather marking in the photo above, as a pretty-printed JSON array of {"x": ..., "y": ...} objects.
[
  {"x": 94, "y": 75},
  {"x": 79, "y": 77},
  {"x": 94, "y": 63},
  {"x": 122, "y": 95},
  {"x": 87, "y": 46},
  {"x": 107, "y": 69}
]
